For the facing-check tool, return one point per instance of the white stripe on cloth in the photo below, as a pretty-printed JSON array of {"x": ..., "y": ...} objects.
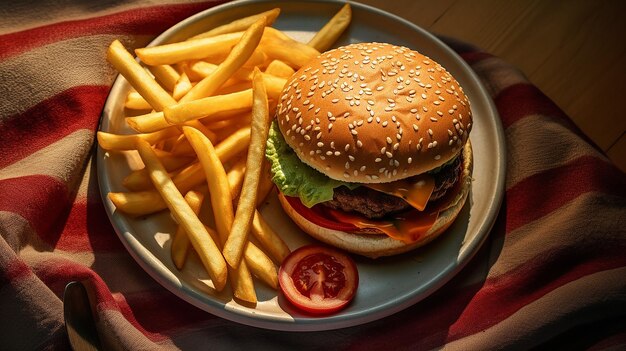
[
  {"x": 537, "y": 143},
  {"x": 48, "y": 70},
  {"x": 62, "y": 159}
]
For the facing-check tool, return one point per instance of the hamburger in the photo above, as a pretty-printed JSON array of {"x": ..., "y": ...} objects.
[{"x": 370, "y": 150}]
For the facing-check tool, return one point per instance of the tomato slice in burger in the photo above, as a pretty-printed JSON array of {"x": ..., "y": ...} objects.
[{"x": 318, "y": 279}]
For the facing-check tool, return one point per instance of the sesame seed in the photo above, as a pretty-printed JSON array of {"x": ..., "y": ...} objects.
[
  {"x": 359, "y": 143},
  {"x": 378, "y": 159},
  {"x": 389, "y": 141},
  {"x": 415, "y": 127},
  {"x": 354, "y": 132},
  {"x": 389, "y": 154},
  {"x": 430, "y": 132},
  {"x": 409, "y": 160},
  {"x": 347, "y": 165}
]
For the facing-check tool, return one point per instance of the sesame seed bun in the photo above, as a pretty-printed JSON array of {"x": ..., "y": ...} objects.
[
  {"x": 374, "y": 113},
  {"x": 377, "y": 245}
]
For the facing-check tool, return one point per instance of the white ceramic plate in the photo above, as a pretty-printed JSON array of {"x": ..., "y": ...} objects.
[{"x": 387, "y": 285}]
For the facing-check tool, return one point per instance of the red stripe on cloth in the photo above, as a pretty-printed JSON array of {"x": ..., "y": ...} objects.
[
  {"x": 139, "y": 21},
  {"x": 56, "y": 272},
  {"x": 13, "y": 269},
  {"x": 542, "y": 193},
  {"x": 88, "y": 229},
  {"x": 42, "y": 200},
  {"x": 475, "y": 57},
  {"x": 50, "y": 120},
  {"x": 521, "y": 100}
]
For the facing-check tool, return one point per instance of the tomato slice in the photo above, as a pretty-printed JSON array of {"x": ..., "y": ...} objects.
[{"x": 318, "y": 279}]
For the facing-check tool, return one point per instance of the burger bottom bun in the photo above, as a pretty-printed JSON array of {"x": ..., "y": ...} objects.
[{"x": 377, "y": 245}]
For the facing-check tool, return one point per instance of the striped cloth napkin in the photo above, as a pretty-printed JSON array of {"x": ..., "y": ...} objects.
[{"x": 551, "y": 275}]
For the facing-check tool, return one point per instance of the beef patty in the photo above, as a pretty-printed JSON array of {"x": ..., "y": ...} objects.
[{"x": 374, "y": 204}]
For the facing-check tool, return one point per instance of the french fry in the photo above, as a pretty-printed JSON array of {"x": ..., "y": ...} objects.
[
  {"x": 240, "y": 53},
  {"x": 206, "y": 107},
  {"x": 137, "y": 77},
  {"x": 272, "y": 242},
  {"x": 227, "y": 119},
  {"x": 234, "y": 88},
  {"x": 332, "y": 30},
  {"x": 134, "y": 101},
  {"x": 218, "y": 181},
  {"x": 265, "y": 184},
  {"x": 278, "y": 45},
  {"x": 180, "y": 242},
  {"x": 182, "y": 147},
  {"x": 148, "y": 123},
  {"x": 261, "y": 265},
  {"x": 165, "y": 75},
  {"x": 240, "y": 24},
  {"x": 109, "y": 141},
  {"x": 292, "y": 56},
  {"x": 139, "y": 180},
  {"x": 200, "y": 239},
  {"x": 203, "y": 69},
  {"x": 198, "y": 49},
  {"x": 137, "y": 203},
  {"x": 238, "y": 237},
  {"x": 221, "y": 201},
  {"x": 182, "y": 87},
  {"x": 273, "y": 85},
  {"x": 235, "y": 177},
  {"x": 279, "y": 69}
]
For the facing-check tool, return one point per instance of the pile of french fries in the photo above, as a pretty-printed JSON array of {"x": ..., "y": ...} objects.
[{"x": 201, "y": 109}]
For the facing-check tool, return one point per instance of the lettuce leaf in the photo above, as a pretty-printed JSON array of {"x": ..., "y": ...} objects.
[{"x": 295, "y": 178}]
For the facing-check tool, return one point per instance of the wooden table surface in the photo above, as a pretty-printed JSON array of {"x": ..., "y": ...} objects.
[{"x": 573, "y": 50}]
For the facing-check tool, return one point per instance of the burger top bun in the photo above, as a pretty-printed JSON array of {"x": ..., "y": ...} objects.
[{"x": 374, "y": 113}]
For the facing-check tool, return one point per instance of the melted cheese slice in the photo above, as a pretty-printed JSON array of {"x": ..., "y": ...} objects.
[
  {"x": 406, "y": 227},
  {"x": 415, "y": 192}
]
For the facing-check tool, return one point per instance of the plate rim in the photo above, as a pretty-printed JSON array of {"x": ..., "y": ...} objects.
[{"x": 217, "y": 308}]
